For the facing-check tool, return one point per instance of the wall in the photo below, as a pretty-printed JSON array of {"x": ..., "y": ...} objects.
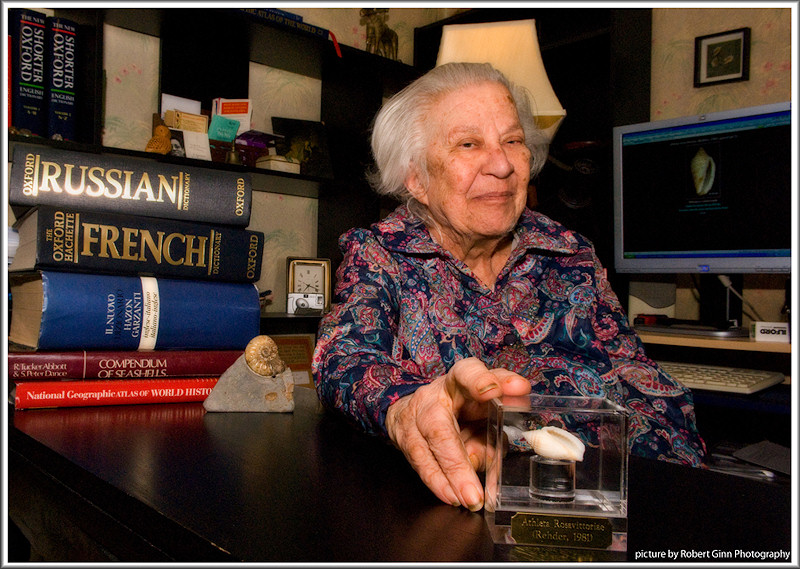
[
  {"x": 672, "y": 77},
  {"x": 347, "y": 25},
  {"x": 673, "y": 95}
]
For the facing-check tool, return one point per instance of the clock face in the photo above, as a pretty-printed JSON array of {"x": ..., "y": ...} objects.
[{"x": 309, "y": 278}]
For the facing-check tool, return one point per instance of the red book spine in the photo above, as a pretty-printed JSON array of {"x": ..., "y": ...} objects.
[
  {"x": 40, "y": 394},
  {"x": 109, "y": 364}
]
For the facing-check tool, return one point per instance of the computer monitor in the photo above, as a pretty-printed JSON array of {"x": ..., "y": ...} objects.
[
  {"x": 704, "y": 194},
  {"x": 707, "y": 193}
]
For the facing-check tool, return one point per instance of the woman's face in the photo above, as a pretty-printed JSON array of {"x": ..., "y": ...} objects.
[{"x": 478, "y": 164}]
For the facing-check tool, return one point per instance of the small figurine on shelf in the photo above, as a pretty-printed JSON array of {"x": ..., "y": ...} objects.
[
  {"x": 19, "y": 131},
  {"x": 160, "y": 143},
  {"x": 232, "y": 156},
  {"x": 381, "y": 39}
]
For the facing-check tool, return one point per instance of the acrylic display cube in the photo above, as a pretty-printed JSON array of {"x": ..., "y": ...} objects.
[{"x": 535, "y": 499}]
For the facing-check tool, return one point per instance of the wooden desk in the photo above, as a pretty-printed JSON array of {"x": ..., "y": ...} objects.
[
  {"x": 731, "y": 417},
  {"x": 743, "y": 344},
  {"x": 169, "y": 482}
]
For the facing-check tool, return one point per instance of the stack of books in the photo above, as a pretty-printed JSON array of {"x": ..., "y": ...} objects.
[
  {"x": 133, "y": 281},
  {"x": 44, "y": 70}
]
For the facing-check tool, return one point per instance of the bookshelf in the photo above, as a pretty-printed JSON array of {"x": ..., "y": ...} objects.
[{"x": 206, "y": 49}]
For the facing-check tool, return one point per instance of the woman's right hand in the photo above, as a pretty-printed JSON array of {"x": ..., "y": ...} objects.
[{"x": 441, "y": 428}]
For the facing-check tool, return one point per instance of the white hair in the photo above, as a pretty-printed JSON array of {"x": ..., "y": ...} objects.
[{"x": 400, "y": 130}]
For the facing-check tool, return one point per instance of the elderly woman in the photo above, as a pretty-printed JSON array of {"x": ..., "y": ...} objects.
[{"x": 463, "y": 294}]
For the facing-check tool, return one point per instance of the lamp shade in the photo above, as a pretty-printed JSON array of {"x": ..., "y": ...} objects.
[{"x": 513, "y": 49}]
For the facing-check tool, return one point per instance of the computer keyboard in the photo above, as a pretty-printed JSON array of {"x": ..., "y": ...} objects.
[{"x": 718, "y": 378}]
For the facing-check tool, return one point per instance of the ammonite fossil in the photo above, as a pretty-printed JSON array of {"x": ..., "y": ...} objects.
[{"x": 261, "y": 355}]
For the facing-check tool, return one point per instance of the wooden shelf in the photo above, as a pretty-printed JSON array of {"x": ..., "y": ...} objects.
[
  {"x": 285, "y": 323},
  {"x": 745, "y": 344}
]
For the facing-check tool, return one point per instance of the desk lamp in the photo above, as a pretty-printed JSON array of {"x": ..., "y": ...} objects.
[{"x": 512, "y": 48}]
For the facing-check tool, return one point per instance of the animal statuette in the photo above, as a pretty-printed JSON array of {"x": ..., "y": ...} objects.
[
  {"x": 555, "y": 443},
  {"x": 381, "y": 39},
  {"x": 160, "y": 143},
  {"x": 257, "y": 381}
]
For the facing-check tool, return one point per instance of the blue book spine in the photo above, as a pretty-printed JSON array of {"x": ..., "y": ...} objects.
[
  {"x": 273, "y": 14},
  {"x": 28, "y": 56},
  {"x": 62, "y": 38},
  {"x": 88, "y": 311},
  {"x": 286, "y": 19}
]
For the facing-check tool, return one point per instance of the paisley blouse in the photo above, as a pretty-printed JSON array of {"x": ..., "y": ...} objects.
[{"x": 405, "y": 310}]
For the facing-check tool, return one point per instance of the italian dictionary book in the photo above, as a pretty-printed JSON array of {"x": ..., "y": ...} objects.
[{"x": 54, "y": 310}]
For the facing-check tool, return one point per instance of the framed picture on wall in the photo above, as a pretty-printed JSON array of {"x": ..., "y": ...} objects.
[{"x": 722, "y": 58}]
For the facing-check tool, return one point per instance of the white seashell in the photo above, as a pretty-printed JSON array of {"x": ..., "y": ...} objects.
[
  {"x": 703, "y": 171},
  {"x": 261, "y": 355},
  {"x": 555, "y": 443}
]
